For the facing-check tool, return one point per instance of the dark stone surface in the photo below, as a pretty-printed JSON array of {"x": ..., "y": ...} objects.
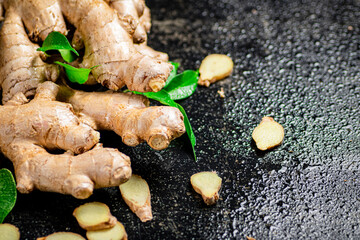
[{"x": 297, "y": 61}]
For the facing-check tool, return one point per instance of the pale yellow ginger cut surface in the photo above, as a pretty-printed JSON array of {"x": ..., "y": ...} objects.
[
  {"x": 207, "y": 184},
  {"x": 136, "y": 194},
  {"x": 9, "y": 232},
  {"x": 62, "y": 236},
  {"x": 94, "y": 216},
  {"x": 213, "y": 68},
  {"x": 115, "y": 233},
  {"x": 268, "y": 134}
]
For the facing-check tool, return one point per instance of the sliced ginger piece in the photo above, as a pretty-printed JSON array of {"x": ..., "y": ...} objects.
[
  {"x": 136, "y": 194},
  {"x": 94, "y": 216},
  {"x": 268, "y": 134},
  {"x": 208, "y": 185},
  {"x": 115, "y": 233},
  {"x": 213, "y": 68},
  {"x": 9, "y": 232},
  {"x": 62, "y": 236}
]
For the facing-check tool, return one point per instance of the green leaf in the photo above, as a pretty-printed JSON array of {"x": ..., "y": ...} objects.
[
  {"x": 183, "y": 85},
  {"x": 164, "y": 98},
  {"x": 57, "y": 41},
  {"x": 76, "y": 75},
  {"x": 7, "y": 193},
  {"x": 172, "y": 73}
]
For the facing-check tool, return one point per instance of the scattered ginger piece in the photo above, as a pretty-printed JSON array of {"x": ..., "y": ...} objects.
[
  {"x": 62, "y": 236},
  {"x": 221, "y": 93},
  {"x": 136, "y": 194},
  {"x": 268, "y": 134},
  {"x": 213, "y": 68},
  {"x": 9, "y": 232},
  {"x": 208, "y": 185},
  {"x": 115, "y": 233},
  {"x": 94, "y": 216}
]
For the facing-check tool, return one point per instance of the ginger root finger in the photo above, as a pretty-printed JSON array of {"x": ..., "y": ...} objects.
[
  {"x": 140, "y": 35},
  {"x": 62, "y": 236},
  {"x": 207, "y": 184},
  {"x": 115, "y": 233},
  {"x": 148, "y": 51},
  {"x": 128, "y": 115},
  {"x": 9, "y": 232},
  {"x": 268, "y": 134},
  {"x": 40, "y": 17},
  {"x": 136, "y": 194},
  {"x": 94, "y": 216},
  {"x": 35, "y": 168},
  {"x": 21, "y": 68},
  {"x": 108, "y": 45},
  {"x": 47, "y": 123}
]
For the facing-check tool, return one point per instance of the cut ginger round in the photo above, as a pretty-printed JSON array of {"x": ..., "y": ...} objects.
[
  {"x": 136, "y": 194},
  {"x": 94, "y": 216},
  {"x": 268, "y": 134},
  {"x": 213, "y": 68},
  {"x": 62, "y": 236},
  {"x": 115, "y": 233},
  {"x": 9, "y": 232},
  {"x": 208, "y": 185}
]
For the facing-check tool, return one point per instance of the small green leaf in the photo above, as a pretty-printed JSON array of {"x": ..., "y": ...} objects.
[
  {"x": 57, "y": 41},
  {"x": 188, "y": 128},
  {"x": 7, "y": 193},
  {"x": 172, "y": 73},
  {"x": 183, "y": 85},
  {"x": 164, "y": 98},
  {"x": 76, "y": 75}
]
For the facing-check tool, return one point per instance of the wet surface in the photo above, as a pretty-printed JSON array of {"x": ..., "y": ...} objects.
[{"x": 297, "y": 61}]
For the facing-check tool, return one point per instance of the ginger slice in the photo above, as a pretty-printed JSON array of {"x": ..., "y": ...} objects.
[
  {"x": 94, "y": 216},
  {"x": 115, "y": 233},
  {"x": 268, "y": 134},
  {"x": 213, "y": 68},
  {"x": 208, "y": 185},
  {"x": 136, "y": 194},
  {"x": 62, "y": 236},
  {"x": 9, "y": 232}
]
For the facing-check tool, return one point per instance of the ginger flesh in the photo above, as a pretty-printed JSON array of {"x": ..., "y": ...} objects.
[
  {"x": 207, "y": 184},
  {"x": 62, "y": 236},
  {"x": 136, "y": 194},
  {"x": 94, "y": 216},
  {"x": 268, "y": 134},
  {"x": 213, "y": 68},
  {"x": 9, "y": 232},
  {"x": 115, "y": 233}
]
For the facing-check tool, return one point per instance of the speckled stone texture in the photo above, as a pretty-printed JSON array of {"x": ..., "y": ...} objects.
[{"x": 297, "y": 61}]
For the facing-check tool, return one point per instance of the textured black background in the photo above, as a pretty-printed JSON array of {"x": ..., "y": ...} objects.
[{"x": 297, "y": 61}]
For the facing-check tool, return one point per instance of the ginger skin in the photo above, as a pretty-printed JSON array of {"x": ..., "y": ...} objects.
[
  {"x": 128, "y": 115},
  {"x": 27, "y": 129},
  {"x": 21, "y": 68}
]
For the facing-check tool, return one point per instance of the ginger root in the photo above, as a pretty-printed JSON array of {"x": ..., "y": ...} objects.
[
  {"x": 9, "y": 232},
  {"x": 208, "y": 185},
  {"x": 136, "y": 194},
  {"x": 115, "y": 233},
  {"x": 62, "y": 236},
  {"x": 128, "y": 115},
  {"x": 94, "y": 216},
  {"x": 268, "y": 134},
  {"x": 21, "y": 68},
  {"x": 27, "y": 129},
  {"x": 213, "y": 68},
  {"x": 100, "y": 30}
]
